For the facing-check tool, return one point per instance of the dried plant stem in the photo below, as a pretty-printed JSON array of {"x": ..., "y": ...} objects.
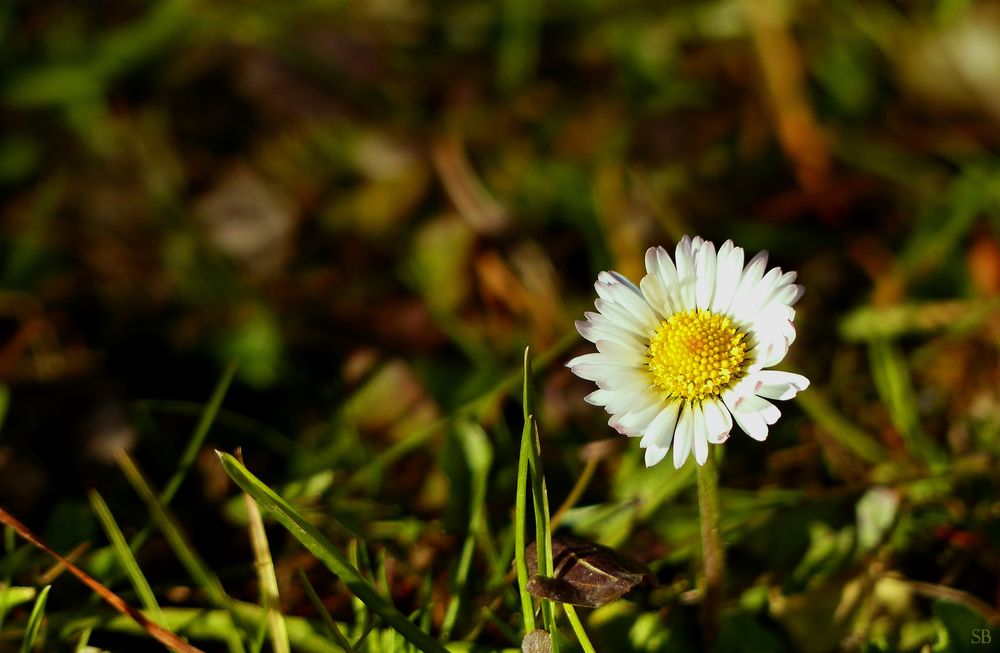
[{"x": 713, "y": 552}]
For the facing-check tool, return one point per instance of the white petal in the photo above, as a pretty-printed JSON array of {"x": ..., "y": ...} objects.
[
  {"x": 683, "y": 436},
  {"x": 620, "y": 403},
  {"x": 604, "y": 330},
  {"x": 771, "y": 352},
  {"x": 758, "y": 296},
  {"x": 789, "y": 294},
  {"x": 661, "y": 430},
  {"x": 705, "y": 263},
  {"x": 699, "y": 432},
  {"x": 621, "y": 353},
  {"x": 686, "y": 275},
  {"x": 761, "y": 406},
  {"x": 727, "y": 278},
  {"x": 753, "y": 424},
  {"x": 752, "y": 275},
  {"x": 613, "y": 287},
  {"x": 718, "y": 421},
  {"x": 596, "y": 366},
  {"x": 781, "y": 385},
  {"x": 598, "y": 397},
  {"x": 656, "y": 295},
  {"x": 625, "y": 319},
  {"x": 636, "y": 423},
  {"x": 628, "y": 379},
  {"x": 660, "y": 433},
  {"x": 655, "y": 454},
  {"x": 625, "y": 281},
  {"x": 667, "y": 273}
]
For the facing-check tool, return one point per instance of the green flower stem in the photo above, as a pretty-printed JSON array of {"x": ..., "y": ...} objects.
[{"x": 713, "y": 552}]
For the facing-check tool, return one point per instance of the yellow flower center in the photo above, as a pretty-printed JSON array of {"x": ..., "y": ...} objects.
[{"x": 696, "y": 354}]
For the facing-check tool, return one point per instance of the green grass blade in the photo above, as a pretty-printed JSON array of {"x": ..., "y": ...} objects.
[
  {"x": 581, "y": 634},
  {"x": 182, "y": 548},
  {"x": 4, "y": 403},
  {"x": 270, "y": 599},
  {"x": 892, "y": 380},
  {"x": 197, "y": 440},
  {"x": 194, "y": 445},
  {"x": 479, "y": 456},
  {"x": 520, "y": 507},
  {"x": 335, "y": 633},
  {"x": 8, "y": 573},
  {"x": 329, "y": 555},
  {"x": 125, "y": 557},
  {"x": 14, "y": 596},
  {"x": 861, "y": 444},
  {"x": 543, "y": 532},
  {"x": 35, "y": 621},
  {"x": 82, "y": 645}
]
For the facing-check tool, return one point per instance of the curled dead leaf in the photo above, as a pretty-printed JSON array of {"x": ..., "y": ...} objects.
[{"x": 586, "y": 574}]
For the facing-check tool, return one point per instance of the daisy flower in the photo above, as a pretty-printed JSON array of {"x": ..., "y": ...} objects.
[{"x": 684, "y": 354}]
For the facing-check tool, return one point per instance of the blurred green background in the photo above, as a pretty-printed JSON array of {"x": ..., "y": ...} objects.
[{"x": 373, "y": 207}]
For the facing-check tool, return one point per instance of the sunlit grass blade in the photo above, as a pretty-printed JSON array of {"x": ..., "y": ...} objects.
[
  {"x": 581, "y": 634},
  {"x": 543, "y": 531},
  {"x": 35, "y": 621},
  {"x": 125, "y": 557},
  {"x": 328, "y": 554},
  {"x": 11, "y": 597},
  {"x": 196, "y": 568},
  {"x": 6, "y": 601},
  {"x": 83, "y": 644},
  {"x": 270, "y": 599},
  {"x": 521, "y": 507},
  {"x": 479, "y": 456}
]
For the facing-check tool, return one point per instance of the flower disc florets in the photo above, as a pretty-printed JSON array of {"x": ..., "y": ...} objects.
[{"x": 696, "y": 354}]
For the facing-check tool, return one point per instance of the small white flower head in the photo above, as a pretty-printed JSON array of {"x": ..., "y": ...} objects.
[{"x": 685, "y": 353}]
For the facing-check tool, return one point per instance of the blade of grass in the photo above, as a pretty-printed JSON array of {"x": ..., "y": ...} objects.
[
  {"x": 8, "y": 572},
  {"x": 14, "y": 596},
  {"x": 125, "y": 557},
  {"x": 531, "y": 449},
  {"x": 270, "y": 599},
  {"x": 543, "y": 531},
  {"x": 327, "y": 553},
  {"x": 197, "y": 440},
  {"x": 194, "y": 445},
  {"x": 892, "y": 380},
  {"x": 82, "y": 646},
  {"x": 158, "y": 632},
  {"x": 35, "y": 620},
  {"x": 335, "y": 633},
  {"x": 4, "y": 403},
  {"x": 479, "y": 456},
  {"x": 178, "y": 541},
  {"x": 581, "y": 634},
  {"x": 521, "y": 508},
  {"x": 846, "y": 433}
]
